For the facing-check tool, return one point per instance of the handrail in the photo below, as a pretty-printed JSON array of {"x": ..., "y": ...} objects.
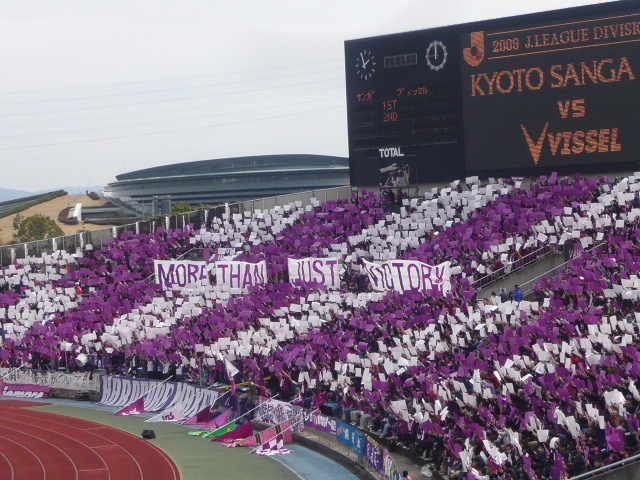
[
  {"x": 523, "y": 262},
  {"x": 607, "y": 468},
  {"x": 96, "y": 237},
  {"x": 545, "y": 274}
]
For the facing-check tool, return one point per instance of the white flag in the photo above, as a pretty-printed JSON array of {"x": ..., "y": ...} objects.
[{"x": 171, "y": 414}]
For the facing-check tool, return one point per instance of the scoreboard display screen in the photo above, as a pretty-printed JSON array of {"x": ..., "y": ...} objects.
[
  {"x": 403, "y": 106},
  {"x": 521, "y": 95}
]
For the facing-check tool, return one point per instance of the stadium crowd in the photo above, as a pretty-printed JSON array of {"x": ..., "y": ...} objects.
[{"x": 485, "y": 388}]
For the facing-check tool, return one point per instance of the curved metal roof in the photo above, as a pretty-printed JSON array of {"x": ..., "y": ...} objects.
[{"x": 264, "y": 163}]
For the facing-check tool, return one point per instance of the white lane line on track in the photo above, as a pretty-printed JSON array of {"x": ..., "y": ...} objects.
[
  {"x": 70, "y": 438},
  {"x": 13, "y": 475},
  {"x": 44, "y": 471}
]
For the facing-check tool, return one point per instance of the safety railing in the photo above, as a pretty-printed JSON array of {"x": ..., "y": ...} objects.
[
  {"x": 514, "y": 266},
  {"x": 613, "y": 468},
  {"x": 527, "y": 291},
  {"x": 76, "y": 242}
]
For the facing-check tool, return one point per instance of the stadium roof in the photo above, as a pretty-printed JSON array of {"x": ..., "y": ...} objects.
[{"x": 262, "y": 163}]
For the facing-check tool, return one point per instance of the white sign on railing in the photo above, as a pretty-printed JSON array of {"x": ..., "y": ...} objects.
[{"x": 69, "y": 381}]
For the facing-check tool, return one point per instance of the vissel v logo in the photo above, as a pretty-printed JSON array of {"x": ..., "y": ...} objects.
[{"x": 474, "y": 55}]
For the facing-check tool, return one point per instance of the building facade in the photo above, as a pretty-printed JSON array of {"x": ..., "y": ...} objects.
[{"x": 213, "y": 182}]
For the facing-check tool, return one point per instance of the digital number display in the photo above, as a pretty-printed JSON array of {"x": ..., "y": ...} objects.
[
  {"x": 404, "y": 117},
  {"x": 522, "y": 95}
]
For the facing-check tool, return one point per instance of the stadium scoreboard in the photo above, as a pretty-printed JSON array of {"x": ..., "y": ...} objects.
[{"x": 521, "y": 95}]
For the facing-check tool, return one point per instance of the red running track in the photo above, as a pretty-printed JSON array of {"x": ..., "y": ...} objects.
[{"x": 37, "y": 445}]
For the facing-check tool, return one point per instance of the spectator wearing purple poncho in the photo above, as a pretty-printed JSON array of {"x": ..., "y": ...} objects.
[{"x": 541, "y": 350}]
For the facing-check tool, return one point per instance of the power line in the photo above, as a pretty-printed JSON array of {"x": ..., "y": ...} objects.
[
  {"x": 253, "y": 109},
  {"x": 171, "y": 131},
  {"x": 139, "y": 82},
  {"x": 197, "y": 97},
  {"x": 118, "y": 116},
  {"x": 182, "y": 88}
]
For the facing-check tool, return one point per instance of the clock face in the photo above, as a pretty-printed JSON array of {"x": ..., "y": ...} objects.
[
  {"x": 436, "y": 55},
  {"x": 365, "y": 64}
]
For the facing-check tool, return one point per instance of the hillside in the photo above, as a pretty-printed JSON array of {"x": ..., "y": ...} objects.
[
  {"x": 9, "y": 194},
  {"x": 52, "y": 208}
]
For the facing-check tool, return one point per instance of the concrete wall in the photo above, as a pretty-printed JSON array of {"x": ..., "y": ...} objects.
[
  {"x": 523, "y": 275},
  {"x": 628, "y": 472}
]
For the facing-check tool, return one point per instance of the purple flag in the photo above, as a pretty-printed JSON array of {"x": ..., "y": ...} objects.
[{"x": 134, "y": 408}]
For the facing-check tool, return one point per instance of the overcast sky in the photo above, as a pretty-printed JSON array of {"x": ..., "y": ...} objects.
[{"x": 92, "y": 89}]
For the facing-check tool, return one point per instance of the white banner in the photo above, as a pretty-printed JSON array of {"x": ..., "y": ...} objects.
[
  {"x": 408, "y": 275},
  {"x": 181, "y": 273},
  {"x": 84, "y": 382},
  {"x": 324, "y": 271},
  {"x": 173, "y": 414},
  {"x": 121, "y": 391},
  {"x": 237, "y": 277},
  {"x": 276, "y": 412}
]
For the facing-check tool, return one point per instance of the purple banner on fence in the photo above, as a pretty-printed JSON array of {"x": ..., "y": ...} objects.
[
  {"x": 24, "y": 391},
  {"x": 321, "y": 422},
  {"x": 375, "y": 455}
]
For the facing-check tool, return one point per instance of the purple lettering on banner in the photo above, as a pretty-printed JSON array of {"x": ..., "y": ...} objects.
[
  {"x": 323, "y": 271},
  {"x": 238, "y": 276},
  {"x": 221, "y": 272},
  {"x": 165, "y": 277},
  {"x": 372, "y": 271},
  {"x": 234, "y": 275},
  {"x": 317, "y": 269},
  {"x": 374, "y": 455},
  {"x": 408, "y": 275},
  {"x": 413, "y": 286},
  {"x": 276, "y": 412},
  {"x": 426, "y": 277},
  {"x": 24, "y": 391},
  {"x": 332, "y": 264},
  {"x": 180, "y": 273},
  {"x": 301, "y": 274},
  {"x": 400, "y": 274},
  {"x": 121, "y": 391},
  {"x": 387, "y": 276},
  {"x": 321, "y": 422},
  {"x": 193, "y": 270}
]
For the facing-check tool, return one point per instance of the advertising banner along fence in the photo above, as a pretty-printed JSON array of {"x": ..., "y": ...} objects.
[
  {"x": 321, "y": 422},
  {"x": 351, "y": 437},
  {"x": 23, "y": 391},
  {"x": 375, "y": 455}
]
